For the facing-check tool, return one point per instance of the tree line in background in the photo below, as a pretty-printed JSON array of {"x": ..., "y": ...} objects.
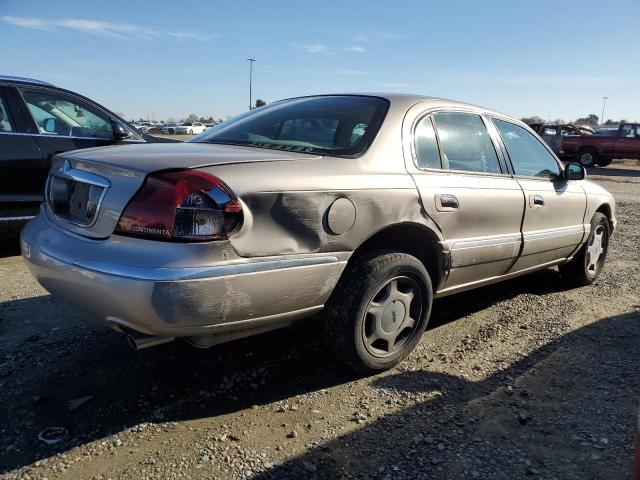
[
  {"x": 592, "y": 120},
  {"x": 191, "y": 118}
]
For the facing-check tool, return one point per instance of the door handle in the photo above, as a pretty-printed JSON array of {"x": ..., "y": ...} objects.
[
  {"x": 537, "y": 200},
  {"x": 449, "y": 201}
]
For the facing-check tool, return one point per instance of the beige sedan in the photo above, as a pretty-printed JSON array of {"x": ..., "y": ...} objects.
[{"x": 360, "y": 208}]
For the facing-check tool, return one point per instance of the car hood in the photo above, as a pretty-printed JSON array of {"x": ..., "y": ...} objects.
[{"x": 148, "y": 157}]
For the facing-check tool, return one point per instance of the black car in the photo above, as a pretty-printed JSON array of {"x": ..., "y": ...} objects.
[{"x": 37, "y": 121}]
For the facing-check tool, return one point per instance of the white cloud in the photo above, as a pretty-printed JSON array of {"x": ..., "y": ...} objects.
[
  {"x": 104, "y": 29},
  {"x": 392, "y": 36},
  {"x": 312, "y": 47},
  {"x": 352, "y": 72},
  {"x": 354, "y": 49}
]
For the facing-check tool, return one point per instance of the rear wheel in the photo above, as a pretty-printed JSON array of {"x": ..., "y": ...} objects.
[
  {"x": 379, "y": 311},
  {"x": 588, "y": 157},
  {"x": 587, "y": 264}
]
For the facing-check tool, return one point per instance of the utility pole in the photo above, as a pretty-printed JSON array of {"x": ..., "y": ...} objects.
[
  {"x": 251, "y": 60},
  {"x": 604, "y": 101}
]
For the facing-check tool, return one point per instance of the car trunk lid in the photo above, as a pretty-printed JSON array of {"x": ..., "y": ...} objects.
[{"x": 88, "y": 190}]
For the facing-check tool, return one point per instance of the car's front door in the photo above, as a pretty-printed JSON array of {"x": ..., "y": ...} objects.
[
  {"x": 466, "y": 190},
  {"x": 22, "y": 170},
  {"x": 627, "y": 145},
  {"x": 553, "y": 224},
  {"x": 62, "y": 122}
]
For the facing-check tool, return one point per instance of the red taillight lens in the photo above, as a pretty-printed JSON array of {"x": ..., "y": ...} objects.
[{"x": 184, "y": 205}]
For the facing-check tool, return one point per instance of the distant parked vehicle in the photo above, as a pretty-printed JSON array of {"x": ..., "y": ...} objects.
[
  {"x": 37, "y": 121},
  {"x": 191, "y": 128},
  {"x": 591, "y": 150},
  {"x": 169, "y": 128},
  {"x": 554, "y": 134}
]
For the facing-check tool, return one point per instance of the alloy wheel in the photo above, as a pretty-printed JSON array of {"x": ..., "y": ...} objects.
[{"x": 392, "y": 316}]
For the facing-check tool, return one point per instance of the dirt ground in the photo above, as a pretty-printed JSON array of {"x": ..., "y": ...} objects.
[{"x": 524, "y": 379}]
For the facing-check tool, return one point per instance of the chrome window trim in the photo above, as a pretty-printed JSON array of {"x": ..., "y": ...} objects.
[
  {"x": 164, "y": 274},
  {"x": 50, "y": 135},
  {"x": 66, "y": 171},
  {"x": 16, "y": 219}
]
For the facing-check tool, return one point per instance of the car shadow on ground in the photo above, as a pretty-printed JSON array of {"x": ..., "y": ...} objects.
[
  {"x": 613, "y": 171},
  {"x": 566, "y": 411},
  {"x": 55, "y": 354},
  {"x": 9, "y": 247}
]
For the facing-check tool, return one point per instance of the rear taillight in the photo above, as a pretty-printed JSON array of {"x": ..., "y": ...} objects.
[{"x": 183, "y": 206}]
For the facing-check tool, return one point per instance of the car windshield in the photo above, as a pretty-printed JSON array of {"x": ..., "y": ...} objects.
[{"x": 340, "y": 125}]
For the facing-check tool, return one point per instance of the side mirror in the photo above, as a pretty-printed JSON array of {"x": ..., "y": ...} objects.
[
  {"x": 574, "y": 171},
  {"x": 120, "y": 132},
  {"x": 49, "y": 125}
]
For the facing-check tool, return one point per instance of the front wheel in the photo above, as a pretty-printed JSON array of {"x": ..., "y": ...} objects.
[
  {"x": 378, "y": 311},
  {"x": 587, "y": 264},
  {"x": 588, "y": 158}
]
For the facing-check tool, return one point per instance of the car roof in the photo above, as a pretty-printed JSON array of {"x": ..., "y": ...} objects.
[
  {"x": 32, "y": 81},
  {"x": 409, "y": 99}
]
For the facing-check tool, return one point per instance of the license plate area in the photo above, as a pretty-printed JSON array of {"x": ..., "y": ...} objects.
[{"x": 76, "y": 195}]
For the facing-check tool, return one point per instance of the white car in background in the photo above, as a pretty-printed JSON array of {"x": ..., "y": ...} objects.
[{"x": 190, "y": 129}]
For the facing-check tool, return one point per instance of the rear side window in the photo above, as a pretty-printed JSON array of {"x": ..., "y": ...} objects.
[
  {"x": 62, "y": 116},
  {"x": 427, "y": 154},
  {"x": 340, "y": 125},
  {"x": 465, "y": 143},
  {"x": 5, "y": 121},
  {"x": 528, "y": 156}
]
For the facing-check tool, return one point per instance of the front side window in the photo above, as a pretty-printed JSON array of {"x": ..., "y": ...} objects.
[
  {"x": 341, "y": 125},
  {"x": 465, "y": 143},
  {"x": 61, "y": 116},
  {"x": 5, "y": 121},
  {"x": 629, "y": 131},
  {"x": 427, "y": 154},
  {"x": 528, "y": 156}
]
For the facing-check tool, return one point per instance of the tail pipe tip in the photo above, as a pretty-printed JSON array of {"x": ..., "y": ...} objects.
[{"x": 139, "y": 342}]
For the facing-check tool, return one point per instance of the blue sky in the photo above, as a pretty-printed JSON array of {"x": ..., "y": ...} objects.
[{"x": 550, "y": 58}]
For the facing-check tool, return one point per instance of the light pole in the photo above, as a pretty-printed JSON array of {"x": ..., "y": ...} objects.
[
  {"x": 604, "y": 101},
  {"x": 251, "y": 60}
]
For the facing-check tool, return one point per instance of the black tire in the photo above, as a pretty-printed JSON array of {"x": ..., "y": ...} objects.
[
  {"x": 588, "y": 157},
  {"x": 604, "y": 162},
  {"x": 577, "y": 271},
  {"x": 348, "y": 312}
]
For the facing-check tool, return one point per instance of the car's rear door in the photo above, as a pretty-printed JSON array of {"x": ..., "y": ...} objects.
[
  {"x": 60, "y": 121},
  {"x": 467, "y": 191},
  {"x": 22, "y": 169},
  {"x": 553, "y": 224}
]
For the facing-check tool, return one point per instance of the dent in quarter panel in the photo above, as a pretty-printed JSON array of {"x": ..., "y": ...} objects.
[{"x": 295, "y": 222}]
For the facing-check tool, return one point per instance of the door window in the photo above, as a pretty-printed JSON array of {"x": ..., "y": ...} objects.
[
  {"x": 629, "y": 131},
  {"x": 427, "y": 153},
  {"x": 61, "y": 116},
  {"x": 528, "y": 156},
  {"x": 465, "y": 143},
  {"x": 5, "y": 121}
]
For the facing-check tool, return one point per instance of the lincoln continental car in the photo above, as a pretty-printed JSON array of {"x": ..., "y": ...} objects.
[{"x": 356, "y": 210}]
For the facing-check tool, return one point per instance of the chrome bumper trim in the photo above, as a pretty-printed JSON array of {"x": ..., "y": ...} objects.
[
  {"x": 16, "y": 219},
  {"x": 194, "y": 273}
]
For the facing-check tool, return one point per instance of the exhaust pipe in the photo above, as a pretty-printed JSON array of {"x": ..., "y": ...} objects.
[{"x": 139, "y": 342}]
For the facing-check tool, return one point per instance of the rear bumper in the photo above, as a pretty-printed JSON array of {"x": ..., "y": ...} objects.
[{"x": 228, "y": 296}]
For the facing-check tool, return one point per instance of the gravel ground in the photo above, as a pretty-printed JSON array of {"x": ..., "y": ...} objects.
[{"x": 524, "y": 379}]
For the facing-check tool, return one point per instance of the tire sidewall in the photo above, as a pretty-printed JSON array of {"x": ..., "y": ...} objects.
[
  {"x": 412, "y": 268},
  {"x": 588, "y": 164}
]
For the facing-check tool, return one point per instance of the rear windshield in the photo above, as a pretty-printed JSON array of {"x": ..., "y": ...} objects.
[{"x": 338, "y": 125}]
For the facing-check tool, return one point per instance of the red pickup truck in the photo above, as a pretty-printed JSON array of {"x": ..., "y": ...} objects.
[{"x": 601, "y": 149}]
